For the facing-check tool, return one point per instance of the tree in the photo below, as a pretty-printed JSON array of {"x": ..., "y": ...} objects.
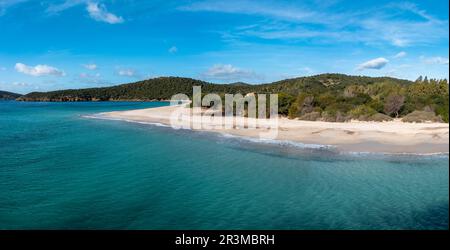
[
  {"x": 284, "y": 103},
  {"x": 393, "y": 104},
  {"x": 333, "y": 96},
  {"x": 302, "y": 105},
  {"x": 420, "y": 79}
]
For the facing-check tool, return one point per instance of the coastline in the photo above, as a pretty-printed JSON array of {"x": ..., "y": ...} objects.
[{"x": 393, "y": 137}]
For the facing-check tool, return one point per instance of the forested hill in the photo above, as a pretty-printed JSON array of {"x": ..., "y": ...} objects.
[
  {"x": 328, "y": 97},
  {"x": 163, "y": 88},
  {"x": 4, "y": 95}
]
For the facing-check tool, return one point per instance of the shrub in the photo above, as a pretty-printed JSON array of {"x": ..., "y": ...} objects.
[
  {"x": 313, "y": 116},
  {"x": 393, "y": 104},
  {"x": 302, "y": 105},
  {"x": 379, "y": 118},
  {"x": 326, "y": 99},
  {"x": 328, "y": 117},
  {"x": 443, "y": 111},
  {"x": 341, "y": 117},
  {"x": 340, "y": 106},
  {"x": 422, "y": 116},
  {"x": 359, "y": 99},
  {"x": 441, "y": 107},
  {"x": 377, "y": 105},
  {"x": 362, "y": 112},
  {"x": 284, "y": 103}
]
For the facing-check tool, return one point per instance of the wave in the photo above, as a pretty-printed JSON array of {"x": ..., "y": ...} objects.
[
  {"x": 443, "y": 154},
  {"x": 331, "y": 148},
  {"x": 101, "y": 116},
  {"x": 282, "y": 143}
]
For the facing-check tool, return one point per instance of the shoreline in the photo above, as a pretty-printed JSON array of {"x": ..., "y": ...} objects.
[
  {"x": 394, "y": 137},
  {"x": 112, "y": 100}
]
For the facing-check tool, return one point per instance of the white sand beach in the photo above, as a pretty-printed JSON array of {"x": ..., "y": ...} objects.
[{"x": 355, "y": 136}]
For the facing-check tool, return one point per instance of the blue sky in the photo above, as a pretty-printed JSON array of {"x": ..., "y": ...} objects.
[{"x": 48, "y": 45}]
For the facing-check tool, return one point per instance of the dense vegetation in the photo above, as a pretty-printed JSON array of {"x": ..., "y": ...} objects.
[
  {"x": 162, "y": 88},
  {"x": 4, "y": 95},
  {"x": 327, "y": 97},
  {"x": 379, "y": 100}
]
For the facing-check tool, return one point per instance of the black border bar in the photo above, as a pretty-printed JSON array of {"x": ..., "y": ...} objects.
[{"x": 165, "y": 239}]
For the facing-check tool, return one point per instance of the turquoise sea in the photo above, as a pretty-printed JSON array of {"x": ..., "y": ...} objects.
[{"x": 62, "y": 170}]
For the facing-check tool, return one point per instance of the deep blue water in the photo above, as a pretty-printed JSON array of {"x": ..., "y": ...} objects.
[{"x": 60, "y": 170}]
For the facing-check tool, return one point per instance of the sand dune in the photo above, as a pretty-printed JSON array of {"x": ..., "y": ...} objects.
[{"x": 390, "y": 137}]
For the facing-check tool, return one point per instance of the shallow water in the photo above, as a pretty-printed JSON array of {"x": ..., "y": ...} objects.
[{"x": 62, "y": 170}]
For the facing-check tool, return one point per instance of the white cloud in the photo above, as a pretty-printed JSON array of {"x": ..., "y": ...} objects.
[
  {"x": 435, "y": 60},
  {"x": 38, "y": 70},
  {"x": 256, "y": 8},
  {"x": 56, "y": 8},
  {"x": 20, "y": 84},
  {"x": 376, "y": 63},
  {"x": 127, "y": 72},
  {"x": 87, "y": 75},
  {"x": 399, "y": 42},
  {"x": 412, "y": 7},
  {"x": 99, "y": 13},
  {"x": 90, "y": 66},
  {"x": 401, "y": 32},
  {"x": 400, "y": 54},
  {"x": 307, "y": 70},
  {"x": 96, "y": 10},
  {"x": 4, "y": 4},
  {"x": 384, "y": 24},
  {"x": 173, "y": 49},
  {"x": 228, "y": 72},
  {"x": 91, "y": 78}
]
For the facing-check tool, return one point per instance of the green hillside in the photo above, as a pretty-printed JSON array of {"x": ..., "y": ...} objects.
[
  {"x": 4, "y": 95},
  {"x": 328, "y": 97}
]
